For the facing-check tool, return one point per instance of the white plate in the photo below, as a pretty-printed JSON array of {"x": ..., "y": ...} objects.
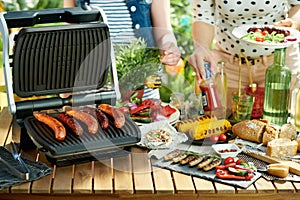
[
  {"x": 241, "y": 31},
  {"x": 175, "y": 137},
  {"x": 172, "y": 119}
]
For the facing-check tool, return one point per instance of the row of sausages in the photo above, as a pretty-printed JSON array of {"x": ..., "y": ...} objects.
[{"x": 90, "y": 116}]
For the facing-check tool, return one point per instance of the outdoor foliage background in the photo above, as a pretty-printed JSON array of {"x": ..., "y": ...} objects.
[{"x": 181, "y": 19}]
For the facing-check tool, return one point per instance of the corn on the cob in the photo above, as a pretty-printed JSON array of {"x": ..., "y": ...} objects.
[
  {"x": 185, "y": 126},
  {"x": 215, "y": 127},
  {"x": 198, "y": 130}
]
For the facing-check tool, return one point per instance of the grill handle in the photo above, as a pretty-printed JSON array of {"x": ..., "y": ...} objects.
[
  {"x": 26, "y": 108},
  {"x": 27, "y": 18}
]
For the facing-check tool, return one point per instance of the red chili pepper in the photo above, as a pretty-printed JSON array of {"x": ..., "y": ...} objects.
[{"x": 139, "y": 108}]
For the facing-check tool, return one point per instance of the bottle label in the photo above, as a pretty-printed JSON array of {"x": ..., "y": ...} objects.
[{"x": 204, "y": 99}]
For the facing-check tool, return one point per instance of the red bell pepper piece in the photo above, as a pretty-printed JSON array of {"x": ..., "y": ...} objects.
[
  {"x": 139, "y": 108},
  {"x": 167, "y": 110},
  {"x": 147, "y": 102},
  {"x": 225, "y": 174}
]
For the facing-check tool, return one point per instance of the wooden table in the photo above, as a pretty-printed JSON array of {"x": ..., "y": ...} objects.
[{"x": 130, "y": 177}]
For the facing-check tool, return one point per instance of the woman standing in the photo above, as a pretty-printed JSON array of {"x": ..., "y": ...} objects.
[
  {"x": 212, "y": 28},
  {"x": 149, "y": 19}
]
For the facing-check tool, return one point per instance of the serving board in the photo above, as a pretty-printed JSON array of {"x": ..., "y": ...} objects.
[
  {"x": 294, "y": 166},
  {"x": 209, "y": 175}
]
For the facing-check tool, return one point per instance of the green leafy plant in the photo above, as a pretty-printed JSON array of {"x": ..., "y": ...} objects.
[{"x": 134, "y": 62}]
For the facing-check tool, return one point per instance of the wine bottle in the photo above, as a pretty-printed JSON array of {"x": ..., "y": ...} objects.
[{"x": 277, "y": 89}]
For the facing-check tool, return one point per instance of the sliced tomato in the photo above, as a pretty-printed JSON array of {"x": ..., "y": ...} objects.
[
  {"x": 259, "y": 39},
  {"x": 265, "y": 33},
  {"x": 258, "y": 30}
]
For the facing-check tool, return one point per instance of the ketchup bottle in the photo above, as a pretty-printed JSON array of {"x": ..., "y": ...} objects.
[{"x": 210, "y": 98}]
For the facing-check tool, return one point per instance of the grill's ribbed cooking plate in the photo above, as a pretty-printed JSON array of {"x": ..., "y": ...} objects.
[{"x": 111, "y": 138}]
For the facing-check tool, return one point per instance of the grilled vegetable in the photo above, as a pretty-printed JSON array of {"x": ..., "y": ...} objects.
[
  {"x": 196, "y": 161},
  {"x": 172, "y": 154},
  {"x": 199, "y": 130},
  {"x": 185, "y": 126},
  {"x": 216, "y": 162},
  {"x": 54, "y": 124},
  {"x": 205, "y": 162},
  {"x": 238, "y": 172}
]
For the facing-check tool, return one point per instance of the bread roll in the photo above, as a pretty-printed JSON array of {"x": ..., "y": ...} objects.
[
  {"x": 270, "y": 134},
  {"x": 288, "y": 131},
  {"x": 298, "y": 141},
  {"x": 282, "y": 147},
  {"x": 251, "y": 130}
]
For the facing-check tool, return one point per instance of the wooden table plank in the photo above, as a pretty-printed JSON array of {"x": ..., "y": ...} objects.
[
  {"x": 62, "y": 179},
  {"x": 83, "y": 178},
  {"x": 123, "y": 181},
  {"x": 183, "y": 183},
  {"x": 42, "y": 185},
  {"x": 142, "y": 173},
  {"x": 25, "y": 187},
  {"x": 103, "y": 176},
  {"x": 284, "y": 187},
  {"x": 264, "y": 186},
  {"x": 163, "y": 182},
  {"x": 297, "y": 186},
  {"x": 5, "y": 126},
  {"x": 204, "y": 186},
  {"x": 250, "y": 190},
  {"x": 223, "y": 188}
]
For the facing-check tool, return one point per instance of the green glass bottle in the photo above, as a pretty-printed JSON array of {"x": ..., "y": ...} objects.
[{"x": 277, "y": 89}]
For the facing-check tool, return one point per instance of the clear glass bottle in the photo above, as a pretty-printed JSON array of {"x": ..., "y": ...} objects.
[
  {"x": 220, "y": 81},
  {"x": 295, "y": 103},
  {"x": 210, "y": 98},
  {"x": 277, "y": 89}
]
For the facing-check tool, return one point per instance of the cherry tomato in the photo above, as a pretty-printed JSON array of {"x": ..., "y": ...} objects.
[
  {"x": 240, "y": 161},
  {"x": 265, "y": 33},
  {"x": 259, "y": 39},
  {"x": 214, "y": 138},
  {"x": 228, "y": 160},
  {"x": 258, "y": 30},
  {"x": 222, "y": 137}
]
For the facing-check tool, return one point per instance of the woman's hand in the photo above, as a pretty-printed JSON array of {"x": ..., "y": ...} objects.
[
  {"x": 288, "y": 22},
  {"x": 170, "y": 57},
  {"x": 201, "y": 55}
]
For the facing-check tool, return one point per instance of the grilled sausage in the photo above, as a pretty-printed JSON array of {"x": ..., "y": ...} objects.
[
  {"x": 116, "y": 114},
  {"x": 196, "y": 161},
  {"x": 102, "y": 118},
  {"x": 187, "y": 159},
  {"x": 172, "y": 154},
  {"x": 90, "y": 121},
  {"x": 205, "y": 162},
  {"x": 213, "y": 164},
  {"x": 180, "y": 157},
  {"x": 72, "y": 123},
  {"x": 53, "y": 123}
]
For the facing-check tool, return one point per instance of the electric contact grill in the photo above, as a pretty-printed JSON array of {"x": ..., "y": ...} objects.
[{"x": 71, "y": 55}]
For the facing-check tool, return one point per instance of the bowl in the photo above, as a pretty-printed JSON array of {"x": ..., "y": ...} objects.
[{"x": 226, "y": 150}]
